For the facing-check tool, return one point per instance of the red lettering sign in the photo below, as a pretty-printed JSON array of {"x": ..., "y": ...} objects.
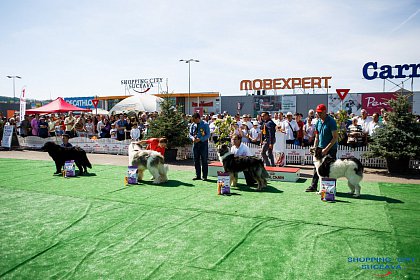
[
  {"x": 95, "y": 102},
  {"x": 342, "y": 92}
]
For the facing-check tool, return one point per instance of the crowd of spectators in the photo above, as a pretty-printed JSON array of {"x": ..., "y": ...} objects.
[{"x": 298, "y": 129}]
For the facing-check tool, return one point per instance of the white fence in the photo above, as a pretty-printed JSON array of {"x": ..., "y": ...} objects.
[{"x": 294, "y": 154}]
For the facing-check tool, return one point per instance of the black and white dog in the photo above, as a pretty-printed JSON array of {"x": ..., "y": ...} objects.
[
  {"x": 233, "y": 165},
  {"x": 147, "y": 159},
  {"x": 350, "y": 168}
]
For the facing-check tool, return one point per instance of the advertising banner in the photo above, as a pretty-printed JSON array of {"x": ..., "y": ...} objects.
[
  {"x": 351, "y": 103},
  {"x": 81, "y": 102},
  {"x": 273, "y": 104},
  {"x": 374, "y": 102}
]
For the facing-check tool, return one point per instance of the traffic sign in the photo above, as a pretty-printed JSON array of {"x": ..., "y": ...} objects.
[
  {"x": 95, "y": 102},
  {"x": 342, "y": 92}
]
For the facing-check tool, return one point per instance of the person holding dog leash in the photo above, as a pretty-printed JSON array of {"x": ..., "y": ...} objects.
[{"x": 326, "y": 137}]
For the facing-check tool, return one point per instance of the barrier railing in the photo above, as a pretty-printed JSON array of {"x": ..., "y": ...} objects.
[{"x": 294, "y": 154}]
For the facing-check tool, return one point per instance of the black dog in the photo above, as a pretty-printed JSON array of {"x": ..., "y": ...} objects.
[
  {"x": 233, "y": 165},
  {"x": 60, "y": 155}
]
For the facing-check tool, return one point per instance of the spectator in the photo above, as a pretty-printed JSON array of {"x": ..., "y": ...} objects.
[
  {"x": 291, "y": 128},
  {"x": 373, "y": 125},
  {"x": 355, "y": 135},
  {"x": 35, "y": 125},
  {"x": 51, "y": 126},
  {"x": 24, "y": 126},
  {"x": 212, "y": 127},
  {"x": 135, "y": 132},
  {"x": 300, "y": 124},
  {"x": 69, "y": 123},
  {"x": 106, "y": 129},
  {"x": 255, "y": 134},
  {"x": 146, "y": 131},
  {"x": 364, "y": 120},
  {"x": 42, "y": 128},
  {"x": 79, "y": 128},
  {"x": 100, "y": 125},
  {"x": 308, "y": 133},
  {"x": 268, "y": 139},
  {"x": 121, "y": 126},
  {"x": 244, "y": 133},
  {"x": 113, "y": 131},
  {"x": 1, "y": 125},
  {"x": 89, "y": 127}
]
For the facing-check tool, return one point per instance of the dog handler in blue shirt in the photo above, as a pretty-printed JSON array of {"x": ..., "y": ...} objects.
[
  {"x": 326, "y": 136},
  {"x": 200, "y": 134}
]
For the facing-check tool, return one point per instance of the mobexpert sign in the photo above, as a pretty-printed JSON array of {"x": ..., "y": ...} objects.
[
  {"x": 143, "y": 84},
  {"x": 386, "y": 71},
  {"x": 283, "y": 83}
]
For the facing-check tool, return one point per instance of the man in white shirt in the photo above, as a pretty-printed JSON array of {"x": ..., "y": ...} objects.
[
  {"x": 239, "y": 149},
  {"x": 289, "y": 126},
  {"x": 373, "y": 125},
  {"x": 364, "y": 121}
]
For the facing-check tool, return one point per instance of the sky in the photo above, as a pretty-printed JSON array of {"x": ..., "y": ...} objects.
[{"x": 85, "y": 48}]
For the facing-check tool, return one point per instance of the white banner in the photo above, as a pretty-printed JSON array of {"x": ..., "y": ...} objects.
[
  {"x": 7, "y": 136},
  {"x": 22, "y": 109}
]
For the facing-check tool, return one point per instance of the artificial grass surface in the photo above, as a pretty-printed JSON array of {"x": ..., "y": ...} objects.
[{"x": 94, "y": 227}]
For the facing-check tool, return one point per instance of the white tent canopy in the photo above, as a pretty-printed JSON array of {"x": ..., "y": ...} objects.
[
  {"x": 100, "y": 111},
  {"x": 137, "y": 103}
]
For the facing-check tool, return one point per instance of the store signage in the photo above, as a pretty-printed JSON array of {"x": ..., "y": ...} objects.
[
  {"x": 81, "y": 102},
  {"x": 283, "y": 83},
  {"x": 371, "y": 72},
  {"x": 141, "y": 85}
]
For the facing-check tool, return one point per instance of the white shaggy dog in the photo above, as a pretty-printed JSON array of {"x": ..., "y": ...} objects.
[
  {"x": 350, "y": 168},
  {"x": 147, "y": 159}
]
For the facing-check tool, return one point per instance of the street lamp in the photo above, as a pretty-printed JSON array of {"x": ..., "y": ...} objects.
[
  {"x": 189, "y": 78},
  {"x": 13, "y": 77}
]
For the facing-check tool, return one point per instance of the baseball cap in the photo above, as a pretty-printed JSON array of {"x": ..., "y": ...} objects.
[
  {"x": 254, "y": 123},
  {"x": 289, "y": 114},
  {"x": 321, "y": 108}
]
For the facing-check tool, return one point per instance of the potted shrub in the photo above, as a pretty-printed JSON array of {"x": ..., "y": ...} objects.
[
  {"x": 399, "y": 139},
  {"x": 171, "y": 124}
]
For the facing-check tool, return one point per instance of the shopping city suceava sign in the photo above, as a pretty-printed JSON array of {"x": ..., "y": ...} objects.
[
  {"x": 371, "y": 71},
  {"x": 285, "y": 83},
  {"x": 141, "y": 85}
]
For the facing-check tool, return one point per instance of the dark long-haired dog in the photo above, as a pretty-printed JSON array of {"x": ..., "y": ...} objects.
[
  {"x": 350, "y": 168},
  {"x": 60, "y": 155},
  {"x": 233, "y": 165}
]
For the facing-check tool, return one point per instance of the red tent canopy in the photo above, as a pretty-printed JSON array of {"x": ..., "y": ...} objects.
[{"x": 56, "y": 106}]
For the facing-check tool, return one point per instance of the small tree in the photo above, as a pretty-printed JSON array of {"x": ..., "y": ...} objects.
[
  {"x": 224, "y": 129},
  {"x": 399, "y": 139},
  {"x": 170, "y": 123}
]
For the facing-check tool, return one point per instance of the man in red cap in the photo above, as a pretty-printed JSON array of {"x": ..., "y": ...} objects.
[{"x": 326, "y": 136}]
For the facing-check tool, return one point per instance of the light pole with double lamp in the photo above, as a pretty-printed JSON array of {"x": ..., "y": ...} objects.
[
  {"x": 189, "y": 78},
  {"x": 13, "y": 77}
]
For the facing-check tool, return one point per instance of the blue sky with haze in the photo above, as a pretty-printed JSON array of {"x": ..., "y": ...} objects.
[{"x": 85, "y": 48}]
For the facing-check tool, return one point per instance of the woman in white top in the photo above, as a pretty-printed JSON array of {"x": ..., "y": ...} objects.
[
  {"x": 244, "y": 133},
  {"x": 308, "y": 133}
]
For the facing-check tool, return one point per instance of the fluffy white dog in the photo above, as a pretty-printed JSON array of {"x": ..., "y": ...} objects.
[
  {"x": 350, "y": 168},
  {"x": 147, "y": 159}
]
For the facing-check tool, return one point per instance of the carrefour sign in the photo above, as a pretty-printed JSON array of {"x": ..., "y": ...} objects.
[
  {"x": 371, "y": 71},
  {"x": 81, "y": 102}
]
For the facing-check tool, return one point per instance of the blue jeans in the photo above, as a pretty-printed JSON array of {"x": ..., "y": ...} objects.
[
  {"x": 201, "y": 154},
  {"x": 264, "y": 152}
]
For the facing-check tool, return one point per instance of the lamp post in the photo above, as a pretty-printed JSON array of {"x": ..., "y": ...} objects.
[
  {"x": 189, "y": 78},
  {"x": 13, "y": 77}
]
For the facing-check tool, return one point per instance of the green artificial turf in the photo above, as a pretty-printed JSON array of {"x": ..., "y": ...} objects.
[{"x": 94, "y": 227}]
